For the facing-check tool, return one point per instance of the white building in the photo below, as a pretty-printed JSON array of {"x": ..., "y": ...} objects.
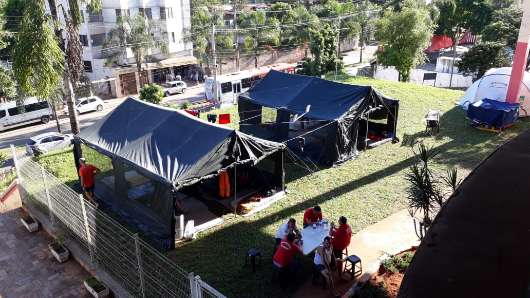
[{"x": 171, "y": 18}]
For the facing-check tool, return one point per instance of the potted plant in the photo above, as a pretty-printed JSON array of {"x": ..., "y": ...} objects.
[
  {"x": 58, "y": 250},
  {"x": 96, "y": 288},
  {"x": 29, "y": 222}
]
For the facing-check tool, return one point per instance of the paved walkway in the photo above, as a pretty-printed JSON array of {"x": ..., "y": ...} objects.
[
  {"x": 27, "y": 268},
  {"x": 391, "y": 235}
]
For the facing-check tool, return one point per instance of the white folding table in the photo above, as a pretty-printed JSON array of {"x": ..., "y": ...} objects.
[{"x": 312, "y": 238}]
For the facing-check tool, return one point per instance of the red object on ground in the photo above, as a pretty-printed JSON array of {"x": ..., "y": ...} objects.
[
  {"x": 310, "y": 216},
  {"x": 341, "y": 237},
  {"x": 224, "y": 118},
  {"x": 193, "y": 113},
  {"x": 439, "y": 42},
  {"x": 285, "y": 253}
]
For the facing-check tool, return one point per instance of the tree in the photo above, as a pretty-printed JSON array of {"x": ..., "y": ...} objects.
[
  {"x": 324, "y": 50},
  {"x": 366, "y": 19},
  {"x": 482, "y": 57},
  {"x": 262, "y": 32},
  {"x": 202, "y": 20},
  {"x": 426, "y": 191},
  {"x": 305, "y": 21},
  {"x": 138, "y": 35},
  {"x": 403, "y": 36},
  {"x": 8, "y": 88},
  {"x": 11, "y": 11},
  {"x": 504, "y": 26},
  {"x": 457, "y": 16},
  {"x": 152, "y": 93},
  {"x": 38, "y": 61}
]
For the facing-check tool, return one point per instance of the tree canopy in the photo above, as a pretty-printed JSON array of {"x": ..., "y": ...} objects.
[
  {"x": 504, "y": 26},
  {"x": 404, "y": 51},
  {"x": 152, "y": 93},
  {"x": 456, "y": 16},
  {"x": 38, "y": 61},
  {"x": 482, "y": 57},
  {"x": 324, "y": 49}
]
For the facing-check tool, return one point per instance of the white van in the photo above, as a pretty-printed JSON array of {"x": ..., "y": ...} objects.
[{"x": 32, "y": 111}]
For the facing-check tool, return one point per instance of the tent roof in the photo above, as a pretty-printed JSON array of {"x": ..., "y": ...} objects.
[
  {"x": 170, "y": 145},
  {"x": 481, "y": 236},
  {"x": 329, "y": 100}
]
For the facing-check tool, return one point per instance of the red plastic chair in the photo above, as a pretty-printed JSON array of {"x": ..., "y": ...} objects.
[{"x": 224, "y": 118}]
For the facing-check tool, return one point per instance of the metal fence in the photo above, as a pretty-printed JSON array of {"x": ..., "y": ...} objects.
[{"x": 139, "y": 268}]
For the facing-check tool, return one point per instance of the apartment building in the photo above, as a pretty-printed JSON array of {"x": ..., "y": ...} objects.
[{"x": 171, "y": 23}]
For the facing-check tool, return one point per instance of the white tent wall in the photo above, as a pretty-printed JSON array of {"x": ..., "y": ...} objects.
[{"x": 494, "y": 85}]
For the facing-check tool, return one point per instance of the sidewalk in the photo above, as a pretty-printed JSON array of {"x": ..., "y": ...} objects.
[
  {"x": 391, "y": 235},
  {"x": 27, "y": 268}
]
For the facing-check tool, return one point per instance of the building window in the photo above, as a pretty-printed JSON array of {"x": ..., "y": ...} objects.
[
  {"x": 118, "y": 13},
  {"x": 162, "y": 13},
  {"x": 88, "y": 66},
  {"x": 141, "y": 11},
  {"x": 170, "y": 12},
  {"x": 84, "y": 40},
  {"x": 173, "y": 36},
  {"x": 97, "y": 39},
  {"x": 122, "y": 13},
  {"x": 148, "y": 14},
  {"x": 95, "y": 17}
]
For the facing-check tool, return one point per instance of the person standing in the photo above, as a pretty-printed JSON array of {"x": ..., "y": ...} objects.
[
  {"x": 340, "y": 239},
  {"x": 87, "y": 173},
  {"x": 312, "y": 215}
]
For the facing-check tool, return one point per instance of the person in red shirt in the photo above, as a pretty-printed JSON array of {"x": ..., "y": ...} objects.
[
  {"x": 87, "y": 172},
  {"x": 312, "y": 215},
  {"x": 340, "y": 239},
  {"x": 283, "y": 259}
]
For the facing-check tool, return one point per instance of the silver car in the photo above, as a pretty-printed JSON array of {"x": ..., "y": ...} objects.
[
  {"x": 174, "y": 87},
  {"x": 46, "y": 142}
]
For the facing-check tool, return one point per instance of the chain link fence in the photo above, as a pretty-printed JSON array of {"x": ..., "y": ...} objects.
[{"x": 139, "y": 268}]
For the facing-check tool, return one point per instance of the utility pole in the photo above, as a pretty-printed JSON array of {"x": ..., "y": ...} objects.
[
  {"x": 236, "y": 35},
  {"x": 214, "y": 56},
  {"x": 338, "y": 46}
]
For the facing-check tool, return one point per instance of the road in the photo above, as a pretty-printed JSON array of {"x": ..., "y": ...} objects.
[{"x": 18, "y": 136}]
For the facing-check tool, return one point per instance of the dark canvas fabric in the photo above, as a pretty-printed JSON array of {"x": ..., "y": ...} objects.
[
  {"x": 337, "y": 108},
  {"x": 171, "y": 145},
  {"x": 479, "y": 244}
]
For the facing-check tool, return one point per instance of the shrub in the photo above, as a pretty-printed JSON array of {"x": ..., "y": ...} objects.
[
  {"x": 152, "y": 93},
  {"x": 398, "y": 263},
  {"x": 3, "y": 158},
  {"x": 185, "y": 105}
]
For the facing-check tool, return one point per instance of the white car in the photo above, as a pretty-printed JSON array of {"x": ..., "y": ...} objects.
[
  {"x": 46, "y": 142},
  {"x": 174, "y": 87},
  {"x": 86, "y": 104}
]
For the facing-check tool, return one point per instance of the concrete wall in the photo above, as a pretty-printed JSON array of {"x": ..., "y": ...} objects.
[{"x": 416, "y": 76}]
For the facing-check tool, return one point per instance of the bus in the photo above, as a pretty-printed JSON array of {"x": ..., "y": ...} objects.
[
  {"x": 229, "y": 86},
  {"x": 33, "y": 110}
]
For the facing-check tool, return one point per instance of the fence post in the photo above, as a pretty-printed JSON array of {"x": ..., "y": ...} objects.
[
  {"x": 198, "y": 285},
  {"x": 48, "y": 199},
  {"x": 139, "y": 260},
  {"x": 87, "y": 229},
  {"x": 193, "y": 285}
]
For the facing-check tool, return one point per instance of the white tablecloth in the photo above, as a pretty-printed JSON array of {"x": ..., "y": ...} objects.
[{"x": 313, "y": 237}]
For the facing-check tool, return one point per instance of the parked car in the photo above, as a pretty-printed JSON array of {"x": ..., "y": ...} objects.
[
  {"x": 47, "y": 141},
  {"x": 174, "y": 87},
  {"x": 33, "y": 110},
  {"x": 86, "y": 104}
]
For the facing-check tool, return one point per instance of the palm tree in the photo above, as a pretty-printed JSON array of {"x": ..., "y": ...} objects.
[{"x": 138, "y": 35}]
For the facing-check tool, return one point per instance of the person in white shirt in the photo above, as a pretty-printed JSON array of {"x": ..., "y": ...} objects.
[
  {"x": 323, "y": 260},
  {"x": 284, "y": 230}
]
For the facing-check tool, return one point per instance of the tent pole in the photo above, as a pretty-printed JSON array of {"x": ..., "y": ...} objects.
[{"x": 235, "y": 185}]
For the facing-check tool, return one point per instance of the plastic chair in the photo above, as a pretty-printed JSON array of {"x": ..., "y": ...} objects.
[
  {"x": 253, "y": 257},
  {"x": 211, "y": 118},
  {"x": 224, "y": 118}
]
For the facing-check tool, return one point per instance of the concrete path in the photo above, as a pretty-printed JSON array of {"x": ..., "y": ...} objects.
[
  {"x": 27, "y": 268},
  {"x": 391, "y": 235}
]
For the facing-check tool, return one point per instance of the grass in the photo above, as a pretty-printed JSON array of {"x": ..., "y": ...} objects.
[{"x": 365, "y": 190}]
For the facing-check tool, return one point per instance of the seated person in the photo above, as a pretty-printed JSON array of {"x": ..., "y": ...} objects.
[
  {"x": 284, "y": 230},
  {"x": 283, "y": 259},
  {"x": 340, "y": 239},
  {"x": 323, "y": 261},
  {"x": 312, "y": 215}
]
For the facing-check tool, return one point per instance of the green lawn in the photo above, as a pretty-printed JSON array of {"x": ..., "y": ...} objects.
[{"x": 365, "y": 190}]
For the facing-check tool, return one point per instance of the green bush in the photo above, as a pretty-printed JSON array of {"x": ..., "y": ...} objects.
[
  {"x": 152, "y": 93},
  {"x": 398, "y": 263},
  {"x": 3, "y": 158}
]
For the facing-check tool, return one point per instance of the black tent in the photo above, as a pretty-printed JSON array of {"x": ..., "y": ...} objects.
[
  {"x": 323, "y": 121},
  {"x": 479, "y": 243},
  {"x": 156, "y": 152}
]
